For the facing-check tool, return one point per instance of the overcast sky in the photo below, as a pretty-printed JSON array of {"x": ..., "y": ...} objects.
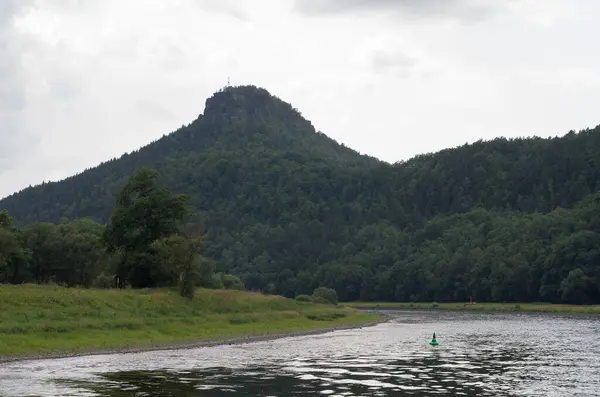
[{"x": 82, "y": 81}]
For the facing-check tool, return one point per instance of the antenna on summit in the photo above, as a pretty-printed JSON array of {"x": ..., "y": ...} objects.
[{"x": 228, "y": 84}]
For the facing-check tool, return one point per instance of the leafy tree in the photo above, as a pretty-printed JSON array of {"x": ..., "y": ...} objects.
[
  {"x": 145, "y": 212},
  {"x": 304, "y": 298},
  {"x": 574, "y": 288},
  {"x": 231, "y": 282},
  {"x": 10, "y": 249},
  {"x": 327, "y": 294},
  {"x": 181, "y": 253},
  {"x": 6, "y": 221}
]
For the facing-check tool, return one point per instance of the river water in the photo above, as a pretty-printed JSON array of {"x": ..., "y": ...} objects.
[{"x": 479, "y": 355}]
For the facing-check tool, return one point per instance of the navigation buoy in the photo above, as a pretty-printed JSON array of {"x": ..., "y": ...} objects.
[{"x": 433, "y": 341}]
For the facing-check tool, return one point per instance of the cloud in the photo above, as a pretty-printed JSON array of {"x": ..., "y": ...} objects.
[
  {"x": 464, "y": 10},
  {"x": 226, "y": 7},
  {"x": 394, "y": 62},
  {"x": 13, "y": 139},
  {"x": 12, "y": 96}
]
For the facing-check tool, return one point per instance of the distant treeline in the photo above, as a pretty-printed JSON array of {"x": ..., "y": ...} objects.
[{"x": 508, "y": 256}]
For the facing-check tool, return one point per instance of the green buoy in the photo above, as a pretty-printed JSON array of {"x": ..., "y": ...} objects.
[{"x": 433, "y": 341}]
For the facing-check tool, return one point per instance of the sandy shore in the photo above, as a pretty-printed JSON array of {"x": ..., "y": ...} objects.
[{"x": 191, "y": 345}]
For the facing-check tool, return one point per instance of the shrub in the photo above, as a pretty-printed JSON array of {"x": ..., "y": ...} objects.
[
  {"x": 230, "y": 281},
  {"x": 270, "y": 289},
  {"x": 327, "y": 294},
  {"x": 216, "y": 282},
  {"x": 304, "y": 298},
  {"x": 104, "y": 281}
]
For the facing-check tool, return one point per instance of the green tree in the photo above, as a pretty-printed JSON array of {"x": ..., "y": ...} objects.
[
  {"x": 231, "y": 282},
  {"x": 182, "y": 254},
  {"x": 574, "y": 288},
  {"x": 10, "y": 250},
  {"x": 326, "y": 294},
  {"x": 145, "y": 212}
]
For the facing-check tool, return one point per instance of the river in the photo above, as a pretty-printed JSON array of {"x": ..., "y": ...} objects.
[{"x": 480, "y": 354}]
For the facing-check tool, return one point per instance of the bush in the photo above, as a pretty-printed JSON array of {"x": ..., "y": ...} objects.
[
  {"x": 304, "y": 298},
  {"x": 104, "y": 281},
  {"x": 230, "y": 281},
  {"x": 216, "y": 282},
  {"x": 327, "y": 294},
  {"x": 270, "y": 289}
]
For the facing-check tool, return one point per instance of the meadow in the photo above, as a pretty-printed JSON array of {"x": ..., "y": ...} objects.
[{"x": 38, "y": 320}]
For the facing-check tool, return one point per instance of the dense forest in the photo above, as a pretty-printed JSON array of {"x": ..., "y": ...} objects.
[
  {"x": 288, "y": 210},
  {"x": 151, "y": 239}
]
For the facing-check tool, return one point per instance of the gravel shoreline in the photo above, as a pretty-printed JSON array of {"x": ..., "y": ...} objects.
[{"x": 192, "y": 345}]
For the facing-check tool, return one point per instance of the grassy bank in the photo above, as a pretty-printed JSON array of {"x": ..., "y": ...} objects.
[
  {"x": 48, "y": 320},
  {"x": 502, "y": 307}
]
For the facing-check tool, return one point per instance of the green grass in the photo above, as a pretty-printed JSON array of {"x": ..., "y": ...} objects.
[
  {"x": 39, "y": 320},
  {"x": 502, "y": 307}
]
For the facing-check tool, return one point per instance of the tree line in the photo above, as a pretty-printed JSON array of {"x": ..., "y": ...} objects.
[
  {"x": 152, "y": 239},
  {"x": 148, "y": 242}
]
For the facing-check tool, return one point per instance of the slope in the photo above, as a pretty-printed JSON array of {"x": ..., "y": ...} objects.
[
  {"x": 55, "y": 321},
  {"x": 529, "y": 175},
  {"x": 237, "y": 122}
]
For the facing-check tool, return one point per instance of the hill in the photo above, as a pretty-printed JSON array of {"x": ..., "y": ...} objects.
[
  {"x": 289, "y": 209},
  {"x": 46, "y": 320},
  {"x": 207, "y": 156},
  {"x": 525, "y": 174}
]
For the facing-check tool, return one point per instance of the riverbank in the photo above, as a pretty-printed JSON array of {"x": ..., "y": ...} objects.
[
  {"x": 51, "y": 321},
  {"x": 494, "y": 307},
  {"x": 192, "y": 345}
]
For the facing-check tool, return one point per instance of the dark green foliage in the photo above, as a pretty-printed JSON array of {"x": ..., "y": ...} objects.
[
  {"x": 142, "y": 230},
  {"x": 181, "y": 255},
  {"x": 143, "y": 243},
  {"x": 288, "y": 210},
  {"x": 231, "y": 282},
  {"x": 304, "y": 298},
  {"x": 144, "y": 212},
  {"x": 325, "y": 294},
  {"x": 11, "y": 248},
  {"x": 104, "y": 281},
  {"x": 69, "y": 253}
]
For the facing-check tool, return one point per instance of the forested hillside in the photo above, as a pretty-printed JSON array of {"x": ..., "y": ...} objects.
[{"x": 288, "y": 209}]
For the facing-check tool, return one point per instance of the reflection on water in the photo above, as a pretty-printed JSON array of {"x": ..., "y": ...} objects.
[
  {"x": 479, "y": 355},
  {"x": 419, "y": 376}
]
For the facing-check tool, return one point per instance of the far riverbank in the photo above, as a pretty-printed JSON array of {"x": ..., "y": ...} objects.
[{"x": 479, "y": 306}]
